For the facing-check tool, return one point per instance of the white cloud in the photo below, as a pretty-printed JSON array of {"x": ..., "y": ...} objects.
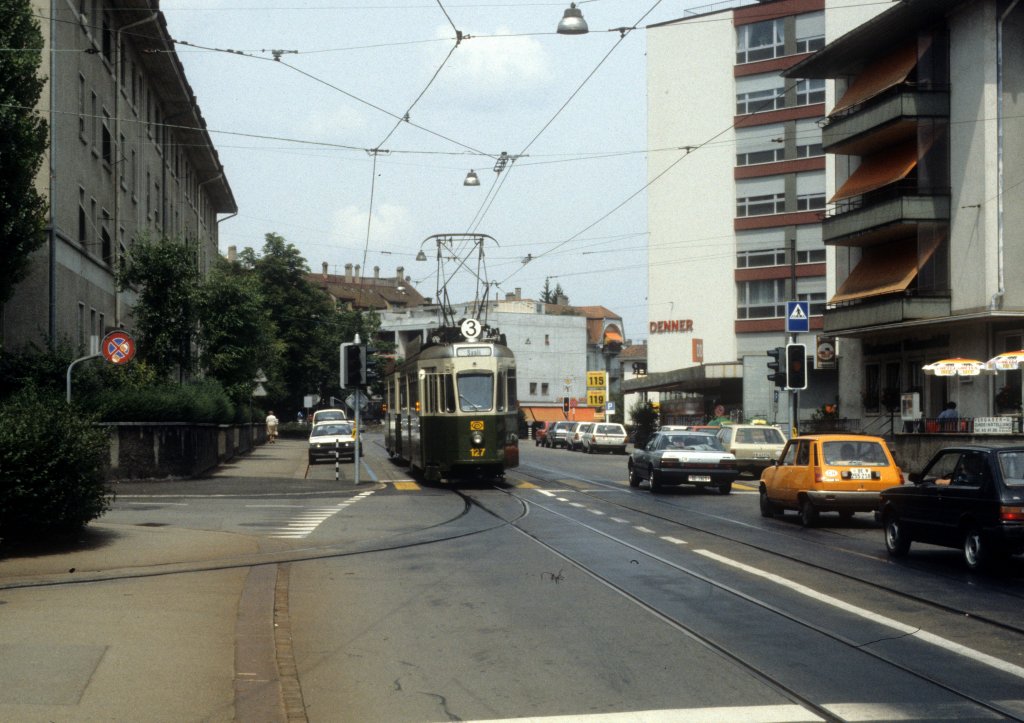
[
  {"x": 390, "y": 225},
  {"x": 494, "y": 68}
]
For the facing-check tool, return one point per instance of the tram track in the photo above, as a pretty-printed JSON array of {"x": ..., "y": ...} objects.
[
  {"x": 928, "y": 602},
  {"x": 737, "y": 657}
]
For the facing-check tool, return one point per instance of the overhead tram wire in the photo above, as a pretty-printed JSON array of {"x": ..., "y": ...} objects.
[
  {"x": 404, "y": 119},
  {"x": 689, "y": 149},
  {"x": 623, "y": 32}
]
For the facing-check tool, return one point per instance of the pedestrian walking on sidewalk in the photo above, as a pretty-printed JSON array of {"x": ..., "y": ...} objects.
[{"x": 271, "y": 427}]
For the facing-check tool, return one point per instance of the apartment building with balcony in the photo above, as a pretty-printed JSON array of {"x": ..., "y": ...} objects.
[
  {"x": 926, "y": 212},
  {"x": 738, "y": 189},
  {"x": 129, "y": 157}
]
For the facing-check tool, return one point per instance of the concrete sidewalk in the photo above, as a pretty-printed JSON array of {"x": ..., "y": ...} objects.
[{"x": 158, "y": 647}]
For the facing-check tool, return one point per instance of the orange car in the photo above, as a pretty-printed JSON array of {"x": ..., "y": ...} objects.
[{"x": 842, "y": 473}]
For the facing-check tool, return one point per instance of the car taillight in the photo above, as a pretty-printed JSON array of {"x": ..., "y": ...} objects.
[
  {"x": 819, "y": 476},
  {"x": 669, "y": 462},
  {"x": 1011, "y": 514}
]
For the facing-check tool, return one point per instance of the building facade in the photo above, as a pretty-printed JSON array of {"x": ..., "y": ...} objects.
[
  {"x": 555, "y": 346},
  {"x": 129, "y": 158},
  {"x": 735, "y": 215},
  {"x": 926, "y": 216}
]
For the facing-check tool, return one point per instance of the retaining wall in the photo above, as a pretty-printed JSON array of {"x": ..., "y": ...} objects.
[{"x": 143, "y": 450}]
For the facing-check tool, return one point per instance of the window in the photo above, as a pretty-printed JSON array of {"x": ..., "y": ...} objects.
[
  {"x": 92, "y": 216},
  {"x": 81, "y": 107},
  {"x": 759, "y": 101},
  {"x": 763, "y": 144},
  {"x": 808, "y": 139},
  {"x": 810, "y": 190},
  {"x": 762, "y": 299},
  {"x": 811, "y": 91},
  {"x": 544, "y": 389},
  {"x": 81, "y": 328},
  {"x": 106, "y": 141},
  {"x": 533, "y": 389},
  {"x": 810, "y": 32},
  {"x": 475, "y": 391},
  {"x": 511, "y": 393},
  {"x": 760, "y": 41},
  {"x": 83, "y": 226},
  {"x": 760, "y": 205},
  {"x": 547, "y": 340},
  {"x": 810, "y": 202},
  {"x": 760, "y": 258},
  {"x": 872, "y": 388},
  {"x": 94, "y": 122},
  {"x": 106, "y": 247}
]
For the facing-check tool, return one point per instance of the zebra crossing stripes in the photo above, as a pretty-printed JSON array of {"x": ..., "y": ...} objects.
[{"x": 303, "y": 524}]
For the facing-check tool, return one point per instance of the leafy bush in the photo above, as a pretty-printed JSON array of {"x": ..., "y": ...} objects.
[
  {"x": 645, "y": 422},
  {"x": 194, "y": 402},
  {"x": 52, "y": 461}
]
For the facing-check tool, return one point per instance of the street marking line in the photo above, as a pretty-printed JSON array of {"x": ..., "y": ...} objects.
[
  {"x": 595, "y": 512},
  {"x": 738, "y": 714},
  {"x": 546, "y": 493},
  {"x": 408, "y": 485},
  {"x": 674, "y": 540},
  {"x": 640, "y": 528},
  {"x": 874, "y": 617},
  {"x": 619, "y": 519},
  {"x": 526, "y": 486}
]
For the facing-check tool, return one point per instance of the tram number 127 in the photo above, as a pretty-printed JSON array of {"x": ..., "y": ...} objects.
[{"x": 476, "y": 452}]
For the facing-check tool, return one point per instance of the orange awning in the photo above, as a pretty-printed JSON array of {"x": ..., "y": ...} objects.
[
  {"x": 885, "y": 269},
  {"x": 878, "y": 77},
  {"x": 879, "y": 170},
  {"x": 554, "y": 414},
  {"x": 612, "y": 336}
]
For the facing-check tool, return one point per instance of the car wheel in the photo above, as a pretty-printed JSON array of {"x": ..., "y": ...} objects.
[
  {"x": 767, "y": 508},
  {"x": 655, "y": 483},
  {"x": 725, "y": 488},
  {"x": 976, "y": 550},
  {"x": 897, "y": 542},
  {"x": 808, "y": 513},
  {"x": 634, "y": 478}
]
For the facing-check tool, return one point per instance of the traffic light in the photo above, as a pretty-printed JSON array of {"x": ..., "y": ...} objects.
[
  {"x": 778, "y": 376},
  {"x": 353, "y": 366},
  {"x": 796, "y": 366},
  {"x": 565, "y": 405}
]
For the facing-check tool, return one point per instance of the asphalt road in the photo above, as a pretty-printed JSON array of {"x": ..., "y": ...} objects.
[{"x": 276, "y": 591}]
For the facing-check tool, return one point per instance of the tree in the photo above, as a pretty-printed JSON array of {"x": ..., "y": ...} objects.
[
  {"x": 23, "y": 140},
  {"x": 645, "y": 422},
  {"x": 308, "y": 325},
  {"x": 166, "y": 277},
  {"x": 549, "y": 295},
  {"x": 238, "y": 337}
]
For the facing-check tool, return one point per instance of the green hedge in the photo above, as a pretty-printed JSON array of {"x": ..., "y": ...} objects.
[
  {"x": 52, "y": 461},
  {"x": 194, "y": 402}
]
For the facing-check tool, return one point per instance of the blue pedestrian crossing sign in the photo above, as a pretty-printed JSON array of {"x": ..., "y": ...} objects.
[{"x": 798, "y": 316}]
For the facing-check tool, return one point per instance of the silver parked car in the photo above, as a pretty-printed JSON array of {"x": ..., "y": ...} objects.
[{"x": 605, "y": 438}]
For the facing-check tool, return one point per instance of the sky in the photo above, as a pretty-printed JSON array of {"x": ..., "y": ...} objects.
[{"x": 306, "y": 100}]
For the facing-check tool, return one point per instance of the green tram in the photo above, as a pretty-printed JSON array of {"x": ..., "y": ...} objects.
[{"x": 452, "y": 410}]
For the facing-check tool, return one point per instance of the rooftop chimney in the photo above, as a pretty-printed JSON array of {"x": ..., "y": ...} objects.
[
  {"x": 519, "y": 293},
  {"x": 325, "y": 270},
  {"x": 358, "y": 278},
  {"x": 348, "y": 273},
  {"x": 232, "y": 253},
  {"x": 376, "y": 272}
]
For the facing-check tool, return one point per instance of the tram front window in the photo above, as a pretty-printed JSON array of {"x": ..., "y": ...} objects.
[{"x": 476, "y": 391}]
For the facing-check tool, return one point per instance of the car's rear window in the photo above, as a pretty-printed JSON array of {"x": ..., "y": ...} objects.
[
  {"x": 324, "y": 430},
  {"x": 854, "y": 453},
  {"x": 1012, "y": 466},
  {"x": 327, "y": 416},
  {"x": 701, "y": 442},
  {"x": 763, "y": 435},
  {"x": 610, "y": 429}
]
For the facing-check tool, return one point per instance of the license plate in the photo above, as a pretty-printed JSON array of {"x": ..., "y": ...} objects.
[
  {"x": 700, "y": 478},
  {"x": 860, "y": 474}
]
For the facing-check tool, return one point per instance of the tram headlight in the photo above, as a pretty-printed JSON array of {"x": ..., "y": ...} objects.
[{"x": 477, "y": 438}]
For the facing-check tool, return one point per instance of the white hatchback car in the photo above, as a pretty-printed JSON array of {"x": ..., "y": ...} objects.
[{"x": 605, "y": 438}]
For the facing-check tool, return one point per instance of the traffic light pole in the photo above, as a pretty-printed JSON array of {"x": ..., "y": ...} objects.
[
  {"x": 794, "y": 398},
  {"x": 357, "y": 459}
]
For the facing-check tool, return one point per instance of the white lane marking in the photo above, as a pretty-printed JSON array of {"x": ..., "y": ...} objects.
[
  {"x": 595, "y": 512},
  {"x": 304, "y": 524},
  {"x": 909, "y": 630},
  {"x": 674, "y": 540},
  {"x": 256, "y": 507},
  {"x": 165, "y": 504},
  {"x": 561, "y": 499},
  {"x": 577, "y": 504},
  {"x": 618, "y": 519},
  {"x": 640, "y": 528},
  {"x": 546, "y": 493},
  {"x": 747, "y": 714}
]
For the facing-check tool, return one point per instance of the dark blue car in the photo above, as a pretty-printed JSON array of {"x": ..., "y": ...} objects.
[{"x": 969, "y": 497}]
